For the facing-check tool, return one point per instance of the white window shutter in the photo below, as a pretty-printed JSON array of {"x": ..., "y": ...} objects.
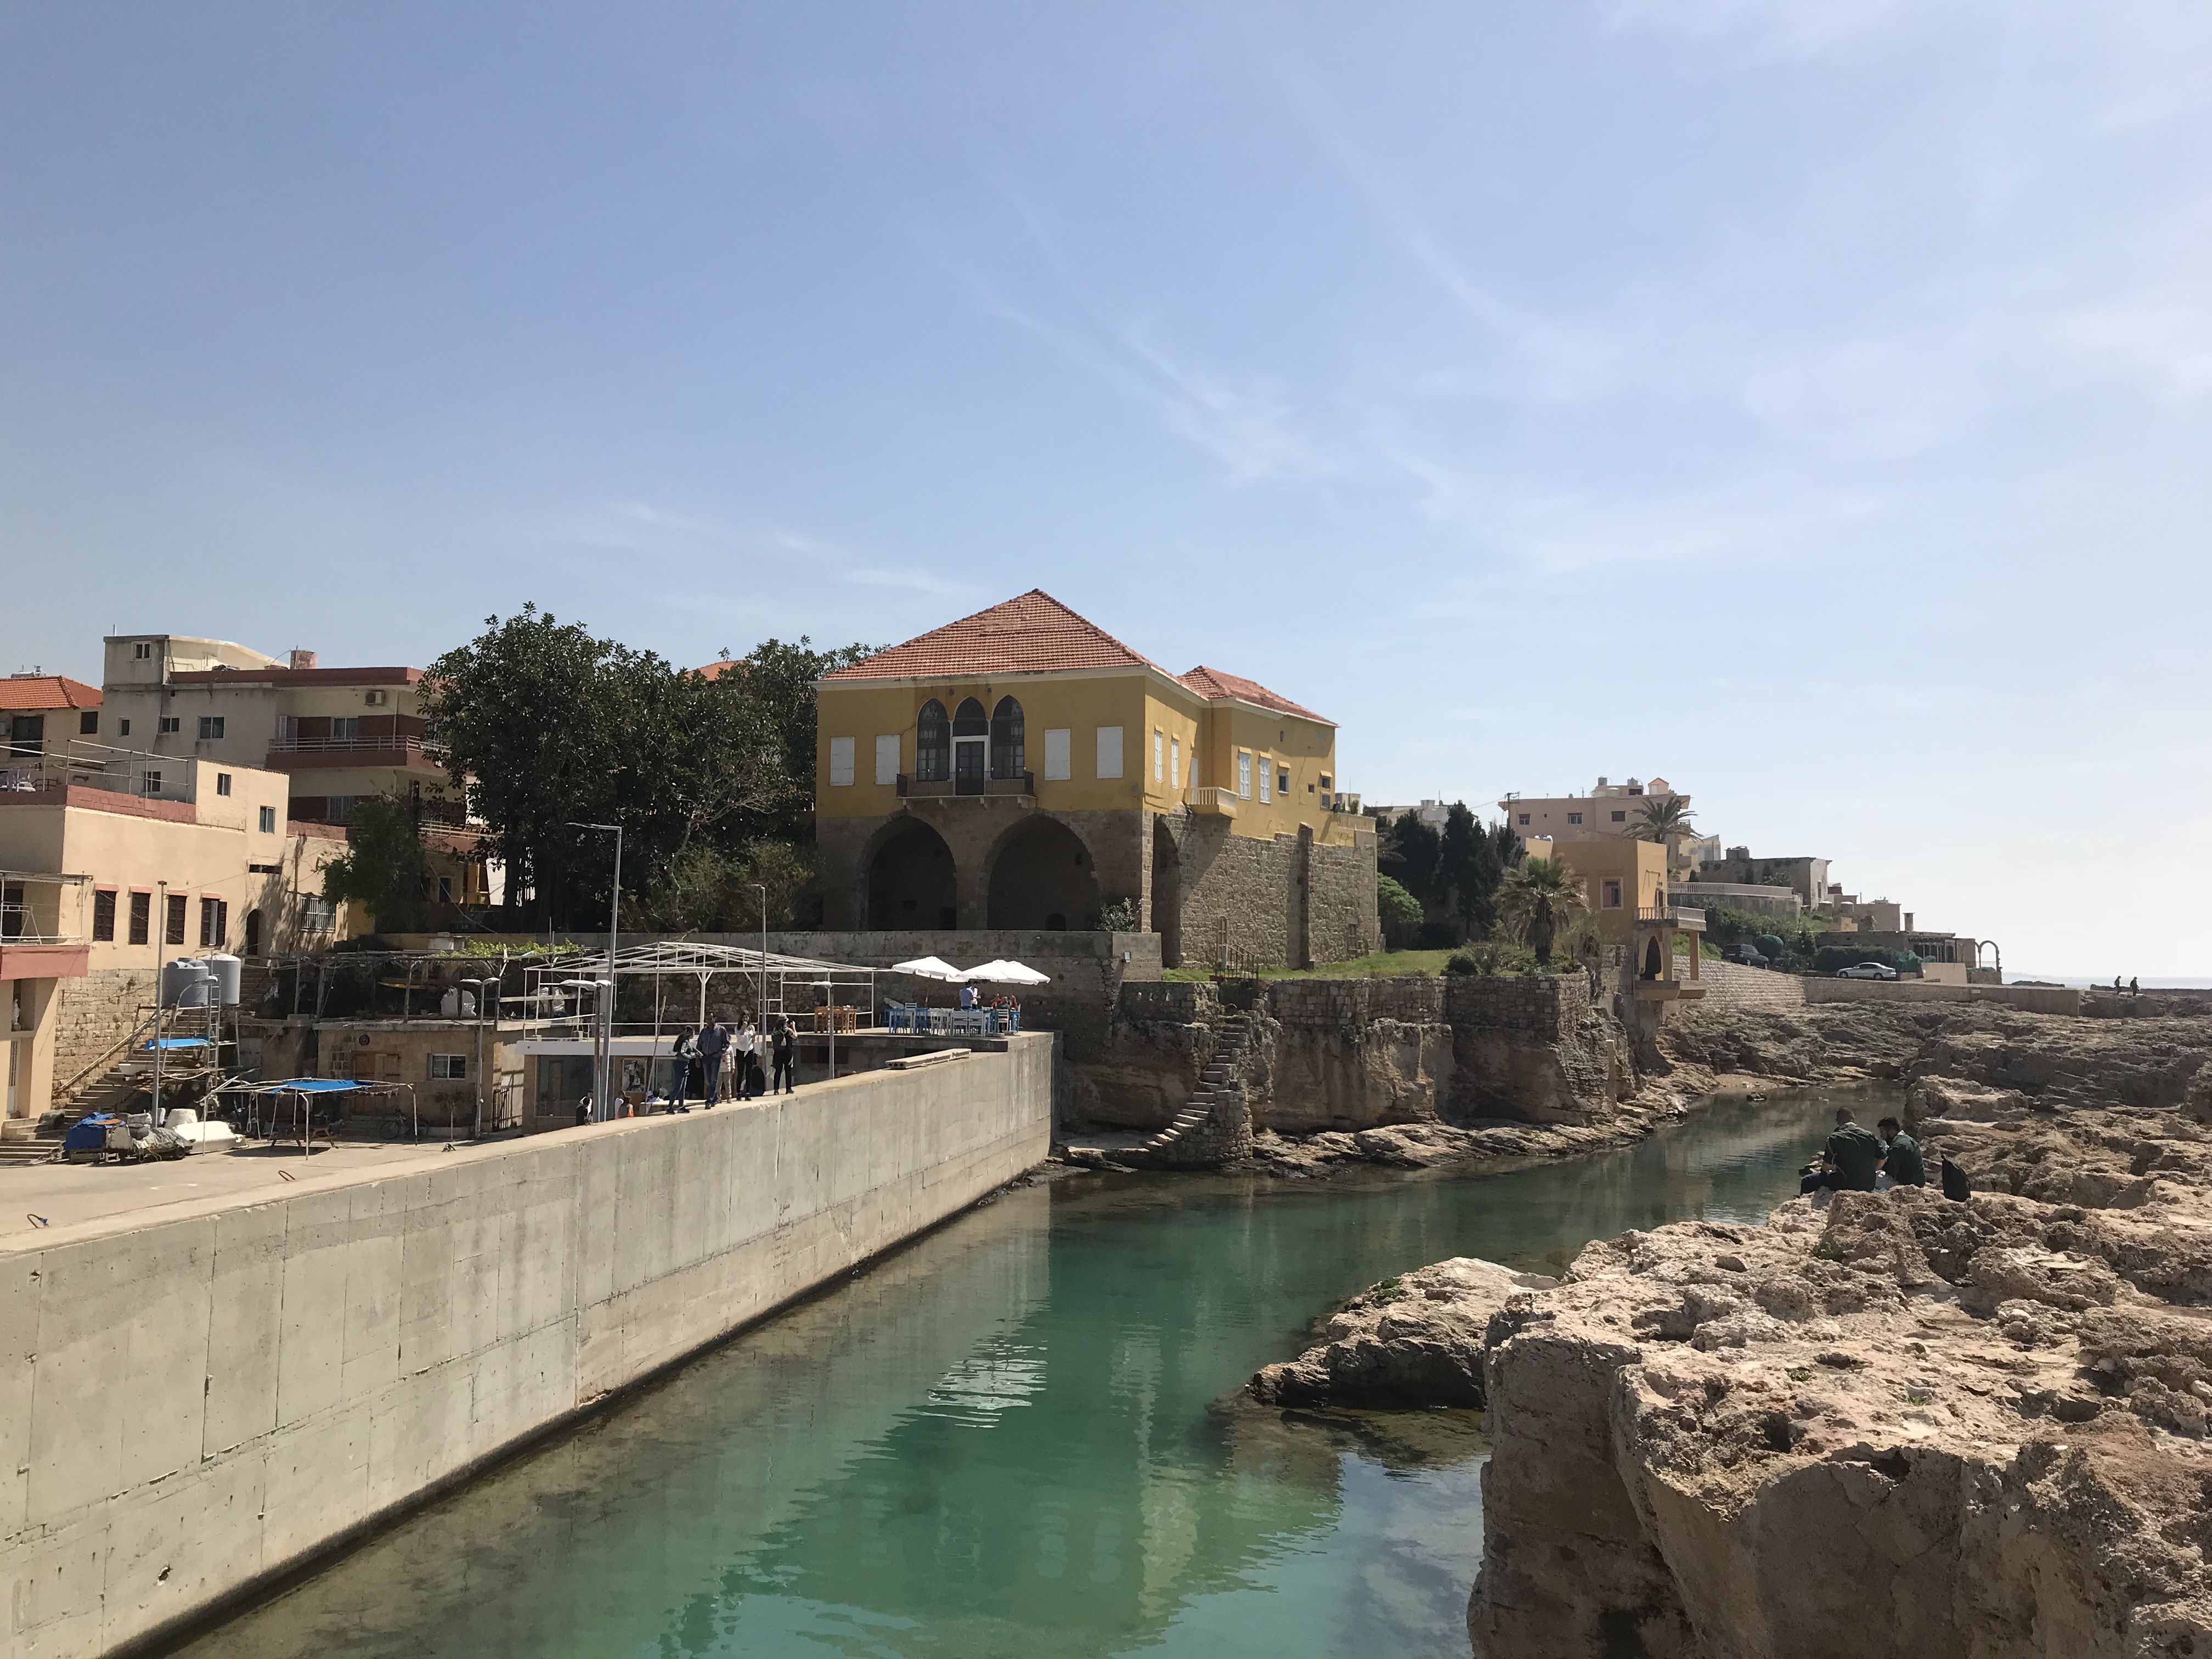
[
  {"x": 841, "y": 762},
  {"x": 1244, "y": 776},
  {"x": 1110, "y": 751},
  {"x": 1058, "y": 755},
  {"x": 887, "y": 759},
  {"x": 1159, "y": 756},
  {"x": 1266, "y": 777},
  {"x": 1174, "y": 762}
]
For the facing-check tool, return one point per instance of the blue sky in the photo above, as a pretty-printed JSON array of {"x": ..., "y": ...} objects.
[{"x": 1808, "y": 403}]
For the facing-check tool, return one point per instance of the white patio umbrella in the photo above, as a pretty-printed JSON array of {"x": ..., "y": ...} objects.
[
  {"x": 930, "y": 968},
  {"x": 1005, "y": 972}
]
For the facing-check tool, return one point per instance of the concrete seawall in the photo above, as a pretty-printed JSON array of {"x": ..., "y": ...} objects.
[{"x": 195, "y": 1399}]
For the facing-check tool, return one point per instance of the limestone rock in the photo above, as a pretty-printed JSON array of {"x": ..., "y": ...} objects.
[{"x": 1414, "y": 1340}]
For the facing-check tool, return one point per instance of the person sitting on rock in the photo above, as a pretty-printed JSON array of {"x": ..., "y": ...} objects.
[
  {"x": 1901, "y": 1162},
  {"x": 1852, "y": 1155}
]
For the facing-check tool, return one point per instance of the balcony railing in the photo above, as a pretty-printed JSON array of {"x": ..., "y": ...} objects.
[
  {"x": 149, "y": 777},
  {"x": 1208, "y": 797},
  {"x": 405, "y": 742},
  {"x": 913, "y": 788},
  {"x": 1681, "y": 913}
]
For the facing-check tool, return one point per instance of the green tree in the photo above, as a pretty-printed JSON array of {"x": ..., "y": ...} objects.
[
  {"x": 1409, "y": 854},
  {"x": 1661, "y": 818},
  {"x": 383, "y": 868},
  {"x": 1399, "y": 910},
  {"x": 1537, "y": 899},
  {"x": 776, "y": 681}
]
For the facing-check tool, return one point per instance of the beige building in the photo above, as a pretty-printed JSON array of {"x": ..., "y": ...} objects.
[
  {"x": 1625, "y": 886},
  {"x": 1022, "y": 769},
  {"x": 104, "y": 875},
  {"x": 1610, "y": 809}
]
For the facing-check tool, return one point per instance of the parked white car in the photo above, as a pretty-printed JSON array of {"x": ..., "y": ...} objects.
[{"x": 1865, "y": 970}]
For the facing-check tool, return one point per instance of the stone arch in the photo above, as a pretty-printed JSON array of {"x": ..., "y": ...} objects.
[
  {"x": 912, "y": 881},
  {"x": 253, "y": 931},
  {"x": 1008, "y": 759},
  {"x": 1042, "y": 876},
  {"x": 1167, "y": 893},
  {"x": 1653, "y": 962}
]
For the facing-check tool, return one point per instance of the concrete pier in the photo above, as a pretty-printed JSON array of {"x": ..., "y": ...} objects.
[{"x": 196, "y": 1399}]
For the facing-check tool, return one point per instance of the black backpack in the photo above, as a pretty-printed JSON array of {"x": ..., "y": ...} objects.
[{"x": 1955, "y": 1184}]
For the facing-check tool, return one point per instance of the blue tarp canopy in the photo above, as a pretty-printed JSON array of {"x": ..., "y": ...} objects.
[
  {"x": 176, "y": 1043},
  {"x": 318, "y": 1085}
]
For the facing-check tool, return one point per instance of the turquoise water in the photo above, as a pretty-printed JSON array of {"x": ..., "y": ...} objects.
[{"x": 1022, "y": 1437}]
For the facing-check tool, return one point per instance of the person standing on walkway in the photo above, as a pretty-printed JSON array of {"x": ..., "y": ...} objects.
[
  {"x": 714, "y": 1043},
  {"x": 748, "y": 1049},
  {"x": 687, "y": 1056},
  {"x": 786, "y": 1048}
]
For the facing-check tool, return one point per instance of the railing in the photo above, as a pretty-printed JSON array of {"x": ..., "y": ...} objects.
[
  {"x": 913, "y": 788},
  {"x": 1680, "y": 913},
  {"x": 1208, "y": 797},
  {"x": 1341, "y": 801},
  {"x": 407, "y": 742},
  {"x": 171, "y": 778}
]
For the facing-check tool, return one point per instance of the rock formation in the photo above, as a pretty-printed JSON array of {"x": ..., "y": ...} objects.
[
  {"x": 1887, "y": 1423},
  {"x": 1413, "y": 1340}
]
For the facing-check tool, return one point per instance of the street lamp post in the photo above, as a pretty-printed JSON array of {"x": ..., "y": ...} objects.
[{"x": 602, "y": 1060}]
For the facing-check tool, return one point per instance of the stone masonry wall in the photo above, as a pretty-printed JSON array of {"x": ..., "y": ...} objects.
[
  {"x": 94, "y": 1013},
  {"x": 1730, "y": 985},
  {"x": 1235, "y": 880},
  {"x": 1342, "y": 902}
]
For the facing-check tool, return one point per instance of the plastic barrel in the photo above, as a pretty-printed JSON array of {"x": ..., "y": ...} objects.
[{"x": 228, "y": 972}]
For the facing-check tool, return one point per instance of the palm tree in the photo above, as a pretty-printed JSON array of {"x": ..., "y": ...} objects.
[
  {"x": 1538, "y": 897},
  {"x": 1662, "y": 818}
]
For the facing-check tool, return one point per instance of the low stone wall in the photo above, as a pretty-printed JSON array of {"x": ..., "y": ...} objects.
[
  {"x": 202, "y": 1396},
  {"x": 1731, "y": 986}
]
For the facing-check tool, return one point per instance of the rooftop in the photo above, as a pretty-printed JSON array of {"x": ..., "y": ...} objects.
[
  {"x": 1034, "y": 633},
  {"x": 1215, "y": 686},
  {"x": 29, "y": 693}
]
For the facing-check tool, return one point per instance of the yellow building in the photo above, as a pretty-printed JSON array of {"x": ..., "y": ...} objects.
[
  {"x": 1022, "y": 769},
  {"x": 1625, "y": 886},
  {"x": 100, "y": 879}
]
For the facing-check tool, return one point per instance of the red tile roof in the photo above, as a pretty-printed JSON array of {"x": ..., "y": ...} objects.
[
  {"x": 26, "y": 692},
  {"x": 1035, "y": 634},
  {"x": 1213, "y": 685}
]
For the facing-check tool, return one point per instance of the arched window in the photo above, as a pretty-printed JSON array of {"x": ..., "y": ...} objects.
[
  {"x": 932, "y": 744},
  {"x": 1007, "y": 739},
  {"x": 970, "y": 732}
]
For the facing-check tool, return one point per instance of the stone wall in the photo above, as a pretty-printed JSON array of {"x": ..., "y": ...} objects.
[
  {"x": 1731, "y": 986},
  {"x": 1287, "y": 901},
  {"x": 1345, "y": 921},
  {"x": 2034, "y": 1000},
  {"x": 93, "y": 1015},
  {"x": 975, "y": 828},
  {"x": 202, "y": 1397}
]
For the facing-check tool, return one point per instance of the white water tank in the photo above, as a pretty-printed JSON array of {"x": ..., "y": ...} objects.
[
  {"x": 228, "y": 973},
  {"x": 185, "y": 983}
]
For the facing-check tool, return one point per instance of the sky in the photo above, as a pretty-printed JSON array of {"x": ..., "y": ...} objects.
[{"x": 1808, "y": 403}]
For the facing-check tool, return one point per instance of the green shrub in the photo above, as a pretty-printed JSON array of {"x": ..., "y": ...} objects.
[{"x": 1400, "y": 912}]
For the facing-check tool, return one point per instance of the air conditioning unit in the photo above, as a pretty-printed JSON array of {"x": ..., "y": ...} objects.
[{"x": 374, "y": 699}]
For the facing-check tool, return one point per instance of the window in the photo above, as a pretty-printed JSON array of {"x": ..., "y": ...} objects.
[
  {"x": 1058, "y": 755},
  {"x": 1110, "y": 751},
  {"x": 265, "y": 869},
  {"x": 1618, "y": 818},
  {"x": 142, "y": 918},
  {"x": 122, "y": 728},
  {"x": 1524, "y": 820},
  {"x": 841, "y": 762},
  {"x": 971, "y": 738},
  {"x": 268, "y": 820},
  {"x": 103, "y": 916},
  {"x": 223, "y": 783},
  {"x": 210, "y": 727},
  {"x": 173, "y": 918},
  {"x": 449, "y": 1068},
  {"x": 887, "y": 758},
  {"x": 142, "y": 650},
  {"x": 149, "y": 783},
  {"x": 1244, "y": 776},
  {"x": 1266, "y": 778},
  {"x": 88, "y": 724},
  {"x": 933, "y": 743},
  {"x": 167, "y": 725},
  {"x": 345, "y": 728},
  {"x": 15, "y": 911},
  {"x": 1609, "y": 894},
  {"x": 1174, "y": 762},
  {"x": 1008, "y": 759},
  {"x": 1283, "y": 781},
  {"x": 26, "y": 734},
  {"x": 317, "y": 914},
  {"x": 215, "y": 923},
  {"x": 1326, "y": 780},
  {"x": 338, "y": 809},
  {"x": 1159, "y": 757}
]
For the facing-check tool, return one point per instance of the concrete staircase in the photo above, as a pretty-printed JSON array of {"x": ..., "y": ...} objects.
[
  {"x": 1217, "y": 1126},
  {"x": 22, "y": 1141}
]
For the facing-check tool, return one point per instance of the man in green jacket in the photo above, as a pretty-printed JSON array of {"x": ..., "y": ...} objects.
[
  {"x": 1852, "y": 1155},
  {"x": 1901, "y": 1160}
]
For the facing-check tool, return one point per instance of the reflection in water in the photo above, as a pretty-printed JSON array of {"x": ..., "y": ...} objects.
[{"x": 1023, "y": 1437}]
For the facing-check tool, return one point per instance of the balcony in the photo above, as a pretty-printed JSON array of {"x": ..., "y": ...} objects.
[
  {"x": 1020, "y": 787},
  {"x": 1221, "y": 803},
  {"x": 295, "y": 754},
  {"x": 1681, "y": 916}
]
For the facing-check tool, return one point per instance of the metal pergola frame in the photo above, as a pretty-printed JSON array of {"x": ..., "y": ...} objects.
[{"x": 774, "y": 974}]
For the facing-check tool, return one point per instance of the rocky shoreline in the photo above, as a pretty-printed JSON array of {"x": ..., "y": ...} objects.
[{"x": 1883, "y": 1423}]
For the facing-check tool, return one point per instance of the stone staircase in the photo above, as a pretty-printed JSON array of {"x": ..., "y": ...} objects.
[
  {"x": 22, "y": 1141},
  {"x": 1217, "y": 1126}
]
